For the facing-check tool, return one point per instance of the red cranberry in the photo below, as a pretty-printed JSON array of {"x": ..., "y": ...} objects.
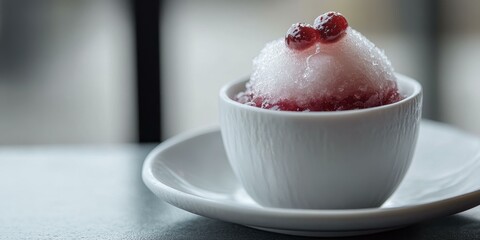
[
  {"x": 301, "y": 36},
  {"x": 331, "y": 26}
]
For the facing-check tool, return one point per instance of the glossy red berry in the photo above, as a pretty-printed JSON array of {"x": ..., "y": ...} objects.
[
  {"x": 301, "y": 36},
  {"x": 331, "y": 26}
]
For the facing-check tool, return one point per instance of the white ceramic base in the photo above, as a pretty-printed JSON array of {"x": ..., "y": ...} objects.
[{"x": 191, "y": 172}]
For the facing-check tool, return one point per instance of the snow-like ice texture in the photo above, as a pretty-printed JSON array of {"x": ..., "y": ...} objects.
[{"x": 350, "y": 70}]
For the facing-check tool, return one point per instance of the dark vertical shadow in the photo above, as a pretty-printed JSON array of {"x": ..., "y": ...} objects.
[
  {"x": 421, "y": 20},
  {"x": 432, "y": 31},
  {"x": 146, "y": 15}
]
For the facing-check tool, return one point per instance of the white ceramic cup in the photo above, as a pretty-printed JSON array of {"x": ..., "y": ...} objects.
[{"x": 321, "y": 160}]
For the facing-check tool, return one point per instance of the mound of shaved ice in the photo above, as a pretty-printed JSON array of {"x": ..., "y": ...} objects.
[{"x": 348, "y": 74}]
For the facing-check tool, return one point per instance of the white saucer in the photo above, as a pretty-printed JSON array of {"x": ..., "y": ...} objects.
[{"x": 191, "y": 172}]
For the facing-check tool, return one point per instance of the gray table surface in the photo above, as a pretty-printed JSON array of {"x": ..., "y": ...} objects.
[{"x": 96, "y": 192}]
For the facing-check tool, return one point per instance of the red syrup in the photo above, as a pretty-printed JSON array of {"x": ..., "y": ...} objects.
[{"x": 360, "y": 100}]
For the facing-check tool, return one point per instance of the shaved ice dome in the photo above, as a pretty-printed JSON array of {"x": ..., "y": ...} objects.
[{"x": 350, "y": 73}]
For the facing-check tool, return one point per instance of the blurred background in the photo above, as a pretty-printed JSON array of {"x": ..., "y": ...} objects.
[{"x": 120, "y": 71}]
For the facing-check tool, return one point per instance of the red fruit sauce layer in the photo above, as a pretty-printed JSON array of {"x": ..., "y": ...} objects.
[{"x": 359, "y": 100}]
